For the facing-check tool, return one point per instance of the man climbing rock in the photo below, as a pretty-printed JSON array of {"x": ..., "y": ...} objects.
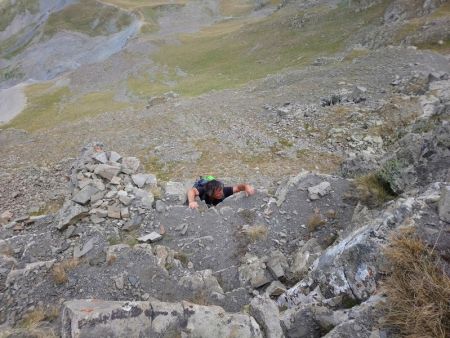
[{"x": 213, "y": 192}]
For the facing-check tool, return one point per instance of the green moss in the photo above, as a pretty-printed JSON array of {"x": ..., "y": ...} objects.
[
  {"x": 9, "y": 10},
  {"x": 88, "y": 17},
  {"x": 348, "y": 302},
  {"x": 443, "y": 47}
]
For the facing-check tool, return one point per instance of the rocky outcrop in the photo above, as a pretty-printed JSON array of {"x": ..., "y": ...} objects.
[{"x": 88, "y": 317}]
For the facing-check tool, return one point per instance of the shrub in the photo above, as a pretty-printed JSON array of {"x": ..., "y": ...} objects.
[{"x": 417, "y": 288}]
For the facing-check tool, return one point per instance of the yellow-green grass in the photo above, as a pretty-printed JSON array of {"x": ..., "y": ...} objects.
[
  {"x": 10, "y": 47},
  {"x": 89, "y": 17},
  {"x": 9, "y": 9},
  {"x": 234, "y": 52},
  {"x": 442, "y": 11},
  {"x": 134, "y": 4},
  {"x": 48, "y": 106},
  {"x": 240, "y": 7},
  {"x": 145, "y": 85},
  {"x": 436, "y": 46}
]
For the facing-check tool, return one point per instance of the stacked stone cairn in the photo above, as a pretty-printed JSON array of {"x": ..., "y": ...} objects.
[{"x": 106, "y": 185}]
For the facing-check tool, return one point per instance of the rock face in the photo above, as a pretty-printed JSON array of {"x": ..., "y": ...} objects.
[
  {"x": 88, "y": 317},
  {"x": 444, "y": 204}
]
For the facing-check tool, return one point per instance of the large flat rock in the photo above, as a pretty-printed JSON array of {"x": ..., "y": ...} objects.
[{"x": 99, "y": 318}]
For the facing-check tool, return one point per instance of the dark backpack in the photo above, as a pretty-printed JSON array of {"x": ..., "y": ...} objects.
[{"x": 201, "y": 182}]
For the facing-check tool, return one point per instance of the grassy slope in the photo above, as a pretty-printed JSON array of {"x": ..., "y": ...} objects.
[
  {"x": 413, "y": 26},
  {"x": 89, "y": 17},
  {"x": 237, "y": 51},
  {"x": 225, "y": 55},
  {"x": 9, "y": 11},
  {"x": 49, "y": 106}
]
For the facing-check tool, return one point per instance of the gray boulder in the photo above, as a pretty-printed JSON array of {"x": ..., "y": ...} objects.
[
  {"x": 254, "y": 272},
  {"x": 85, "y": 194},
  {"x": 69, "y": 214},
  {"x": 201, "y": 281},
  {"x": 444, "y": 204},
  {"x": 213, "y": 321},
  {"x": 175, "y": 191},
  {"x": 107, "y": 171},
  {"x": 130, "y": 165},
  {"x": 300, "y": 323},
  {"x": 319, "y": 190},
  {"x": 305, "y": 256},
  {"x": 97, "y": 318},
  {"x": 144, "y": 179},
  {"x": 265, "y": 311}
]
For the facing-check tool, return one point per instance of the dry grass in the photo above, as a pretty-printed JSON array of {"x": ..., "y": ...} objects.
[
  {"x": 418, "y": 290},
  {"x": 59, "y": 271},
  {"x": 315, "y": 221},
  {"x": 33, "y": 318},
  {"x": 372, "y": 190},
  {"x": 255, "y": 233},
  {"x": 331, "y": 214},
  {"x": 35, "y": 323},
  {"x": 111, "y": 260}
]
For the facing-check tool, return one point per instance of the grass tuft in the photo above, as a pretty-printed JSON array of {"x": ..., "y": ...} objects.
[
  {"x": 315, "y": 221},
  {"x": 59, "y": 271},
  {"x": 372, "y": 190},
  {"x": 417, "y": 288},
  {"x": 255, "y": 233}
]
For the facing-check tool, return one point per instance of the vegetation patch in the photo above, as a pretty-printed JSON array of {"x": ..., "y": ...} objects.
[
  {"x": 48, "y": 106},
  {"x": 10, "y": 73},
  {"x": 255, "y": 233},
  {"x": 237, "y": 51},
  {"x": 372, "y": 190},
  {"x": 315, "y": 221},
  {"x": 59, "y": 271},
  {"x": 33, "y": 318},
  {"x": 89, "y": 17},
  {"x": 9, "y": 9},
  {"x": 418, "y": 290}
]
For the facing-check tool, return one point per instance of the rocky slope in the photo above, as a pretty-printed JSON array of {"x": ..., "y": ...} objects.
[
  {"x": 308, "y": 247},
  {"x": 345, "y": 150}
]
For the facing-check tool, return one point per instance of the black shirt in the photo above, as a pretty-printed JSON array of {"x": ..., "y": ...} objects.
[{"x": 227, "y": 191}]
